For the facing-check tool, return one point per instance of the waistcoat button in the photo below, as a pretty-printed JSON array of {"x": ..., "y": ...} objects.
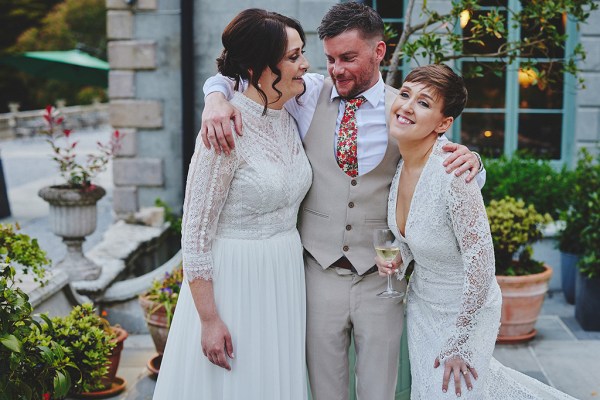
[
  {"x": 346, "y": 248},
  {"x": 348, "y": 227},
  {"x": 353, "y": 182},
  {"x": 351, "y": 204}
]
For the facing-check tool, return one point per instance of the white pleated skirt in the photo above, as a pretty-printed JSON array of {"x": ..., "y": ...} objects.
[{"x": 260, "y": 295}]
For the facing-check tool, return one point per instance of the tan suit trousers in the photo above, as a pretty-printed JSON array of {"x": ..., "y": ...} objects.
[{"x": 340, "y": 304}]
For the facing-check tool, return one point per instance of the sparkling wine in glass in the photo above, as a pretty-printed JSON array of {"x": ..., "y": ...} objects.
[{"x": 387, "y": 248}]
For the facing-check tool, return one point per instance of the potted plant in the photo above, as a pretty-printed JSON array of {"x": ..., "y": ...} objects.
[
  {"x": 93, "y": 346},
  {"x": 73, "y": 204},
  {"x": 158, "y": 304},
  {"x": 523, "y": 281},
  {"x": 31, "y": 362},
  {"x": 575, "y": 217}
]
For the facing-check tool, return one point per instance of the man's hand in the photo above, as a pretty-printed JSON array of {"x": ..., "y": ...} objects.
[
  {"x": 461, "y": 160},
  {"x": 216, "y": 342},
  {"x": 216, "y": 125}
]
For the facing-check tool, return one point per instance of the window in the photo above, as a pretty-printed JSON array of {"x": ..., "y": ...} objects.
[{"x": 512, "y": 112}]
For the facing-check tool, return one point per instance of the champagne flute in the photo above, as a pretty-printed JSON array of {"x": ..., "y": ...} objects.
[{"x": 387, "y": 248}]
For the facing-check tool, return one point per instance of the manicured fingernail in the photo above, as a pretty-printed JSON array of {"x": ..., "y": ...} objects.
[
  {"x": 444, "y": 390},
  {"x": 470, "y": 387},
  {"x": 457, "y": 394}
]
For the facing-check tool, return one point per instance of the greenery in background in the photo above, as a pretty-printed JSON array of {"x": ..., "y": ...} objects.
[
  {"x": 434, "y": 38},
  {"x": 30, "y": 25},
  {"x": 514, "y": 227},
  {"x": 534, "y": 181},
  {"x": 171, "y": 217},
  {"x": 165, "y": 292},
  {"x": 585, "y": 215},
  {"x": 31, "y": 362},
  {"x": 589, "y": 264},
  {"x": 578, "y": 213},
  {"x": 23, "y": 250},
  {"x": 89, "y": 341}
]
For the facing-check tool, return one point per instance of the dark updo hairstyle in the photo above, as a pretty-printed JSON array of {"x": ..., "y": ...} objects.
[{"x": 254, "y": 40}]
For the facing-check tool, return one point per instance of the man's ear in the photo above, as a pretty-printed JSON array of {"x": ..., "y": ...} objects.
[{"x": 380, "y": 49}]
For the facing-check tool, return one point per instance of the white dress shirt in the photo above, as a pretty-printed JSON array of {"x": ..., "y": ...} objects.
[{"x": 372, "y": 133}]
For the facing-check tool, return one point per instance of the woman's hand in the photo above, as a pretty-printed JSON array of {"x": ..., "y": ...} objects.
[
  {"x": 387, "y": 267},
  {"x": 216, "y": 342},
  {"x": 458, "y": 367}
]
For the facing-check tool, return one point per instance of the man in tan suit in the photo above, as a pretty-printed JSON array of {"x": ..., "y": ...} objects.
[{"x": 343, "y": 207}]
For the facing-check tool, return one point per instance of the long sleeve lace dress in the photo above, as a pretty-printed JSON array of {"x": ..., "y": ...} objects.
[
  {"x": 239, "y": 230},
  {"x": 454, "y": 301}
]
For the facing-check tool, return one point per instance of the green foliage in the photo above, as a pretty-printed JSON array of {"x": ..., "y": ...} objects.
[
  {"x": 434, "y": 38},
  {"x": 71, "y": 24},
  {"x": 515, "y": 226},
  {"x": 583, "y": 217},
  {"x": 21, "y": 249},
  {"x": 165, "y": 292},
  {"x": 30, "y": 25},
  {"x": 31, "y": 362},
  {"x": 88, "y": 341},
  {"x": 173, "y": 219},
  {"x": 578, "y": 212},
  {"x": 534, "y": 181},
  {"x": 589, "y": 264}
]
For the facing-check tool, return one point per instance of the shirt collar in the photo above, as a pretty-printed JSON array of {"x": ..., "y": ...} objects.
[{"x": 373, "y": 95}]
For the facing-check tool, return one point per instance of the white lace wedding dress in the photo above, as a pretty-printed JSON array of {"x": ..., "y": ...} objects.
[
  {"x": 239, "y": 230},
  {"x": 453, "y": 303}
]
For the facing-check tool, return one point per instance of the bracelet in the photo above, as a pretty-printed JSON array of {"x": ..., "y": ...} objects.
[{"x": 480, "y": 162}]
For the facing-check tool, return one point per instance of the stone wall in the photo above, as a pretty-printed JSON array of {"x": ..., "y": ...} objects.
[
  {"x": 587, "y": 126},
  {"x": 145, "y": 93}
]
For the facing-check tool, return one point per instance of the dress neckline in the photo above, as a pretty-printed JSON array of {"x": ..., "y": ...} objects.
[
  {"x": 256, "y": 108},
  {"x": 435, "y": 146}
]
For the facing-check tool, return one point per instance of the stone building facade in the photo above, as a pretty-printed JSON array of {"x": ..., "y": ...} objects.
[{"x": 146, "y": 84}]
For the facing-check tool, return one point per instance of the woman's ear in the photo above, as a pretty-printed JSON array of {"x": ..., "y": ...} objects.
[{"x": 444, "y": 125}]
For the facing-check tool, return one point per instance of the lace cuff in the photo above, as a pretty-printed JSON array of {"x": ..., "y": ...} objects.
[{"x": 198, "y": 266}]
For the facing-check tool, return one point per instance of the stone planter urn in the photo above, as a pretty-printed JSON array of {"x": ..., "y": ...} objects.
[{"x": 73, "y": 217}]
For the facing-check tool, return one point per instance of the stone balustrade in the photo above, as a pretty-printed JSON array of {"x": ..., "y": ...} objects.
[{"x": 29, "y": 123}]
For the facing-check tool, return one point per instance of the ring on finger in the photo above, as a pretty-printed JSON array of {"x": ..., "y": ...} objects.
[{"x": 464, "y": 372}]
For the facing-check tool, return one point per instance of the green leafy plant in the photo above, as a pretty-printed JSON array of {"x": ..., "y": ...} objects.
[
  {"x": 31, "y": 362},
  {"x": 578, "y": 212},
  {"x": 171, "y": 217},
  {"x": 514, "y": 227},
  {"x": 589, "y": 264},
  {"x": 165, "y": 292},
  {"x": 88, "y": 341},
  {"x": 532, "y": 180}
]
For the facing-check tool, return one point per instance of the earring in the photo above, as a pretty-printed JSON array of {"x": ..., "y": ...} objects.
[{"x": 259, "y": 85}]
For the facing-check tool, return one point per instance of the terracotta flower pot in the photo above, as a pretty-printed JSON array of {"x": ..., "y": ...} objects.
[
  {"x": 522, "y": 299},
  {"x": 158, "y": 322},
  {"x": 115, "y": 356}
]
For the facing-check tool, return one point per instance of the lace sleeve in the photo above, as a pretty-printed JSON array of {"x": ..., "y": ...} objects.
[
  {"x": 208, "y": 181},
  {"x": 470, "y": 225}
]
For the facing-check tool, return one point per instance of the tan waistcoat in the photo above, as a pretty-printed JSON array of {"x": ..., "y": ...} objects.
[{"x": 339, "y": 213}]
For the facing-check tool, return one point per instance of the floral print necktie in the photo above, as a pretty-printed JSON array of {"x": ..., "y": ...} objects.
[{"x": 346, "y": 152}]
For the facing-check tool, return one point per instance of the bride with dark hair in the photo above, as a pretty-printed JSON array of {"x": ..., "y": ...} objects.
[{"x": 239, "y": 327}]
